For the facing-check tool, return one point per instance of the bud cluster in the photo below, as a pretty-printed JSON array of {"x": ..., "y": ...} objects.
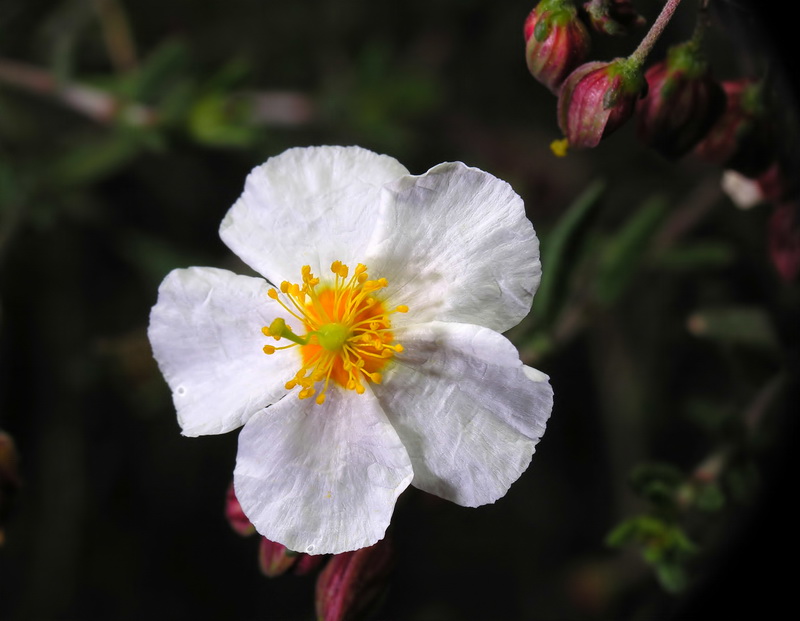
[
  {"x": 677, "y": 103},
  {"x": 678, "y": 106},
  {"x": 347, "y": 588}
]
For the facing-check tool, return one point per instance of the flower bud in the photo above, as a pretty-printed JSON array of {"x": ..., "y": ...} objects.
[
  {"x": 683, "y": 101},
  {"x": 274, "y": 559},
  {"x": 351, "y": 583},
  {"x": 784, "y": 239},
  {"x": 597, "y": 98},
  {"x": 613, "y": 17},
  {"x": 235, "y": 516},
  {"x": 742, "y": 139},
  {"x": 306, "y": 563},
  {"x": 9, "y": 478},
  {"x": 556, "y": 42}
]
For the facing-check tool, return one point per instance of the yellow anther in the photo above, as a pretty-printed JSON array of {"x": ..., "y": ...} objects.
[
  {"x": 348, "y": 336},
  {"x": 559, "y": 147}
]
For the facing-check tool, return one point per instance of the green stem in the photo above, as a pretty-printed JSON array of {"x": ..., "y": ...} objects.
[{"x": 640, "y": 54}]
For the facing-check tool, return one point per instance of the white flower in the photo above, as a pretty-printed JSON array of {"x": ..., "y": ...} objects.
[{"x": 356, "y": 381}]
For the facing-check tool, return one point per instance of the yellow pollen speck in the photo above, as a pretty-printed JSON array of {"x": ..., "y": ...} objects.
[
  {"x": 348, "y": 338},
  {"x": 560, "y": 147}
]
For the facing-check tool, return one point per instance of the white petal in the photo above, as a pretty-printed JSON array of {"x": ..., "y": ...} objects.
[
  {"x": 467, "y": 410},
  {"x": 308, "y": 206},
  {"x": 455, "y": 245},
  {"x": 321, "y": 479},
  {"x": 205, "y": 331}
]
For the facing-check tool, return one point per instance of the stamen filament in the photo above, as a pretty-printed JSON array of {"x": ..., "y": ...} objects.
[{"x": 348, "y": 335}]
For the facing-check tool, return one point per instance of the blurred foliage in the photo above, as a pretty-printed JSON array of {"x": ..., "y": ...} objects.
[{"x": 126, "y": 131}]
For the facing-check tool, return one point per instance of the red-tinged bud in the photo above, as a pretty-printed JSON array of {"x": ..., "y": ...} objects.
[
  {"x": 784, "y": 240},
  {"x": 682, "y": 103},
  {"x": 236, "y": 517},
  {"x": 743, "y": 138},
  {"x": 306, "y": 563},
  {"x": 9, "y": 478},
  {"x": 274, "y": 559},
  {"x": 352, "y": 582},
  {"x": 597, "y": 98},
  {"x": 556, "y": 42},
  {"x": 613, "y": 17}
]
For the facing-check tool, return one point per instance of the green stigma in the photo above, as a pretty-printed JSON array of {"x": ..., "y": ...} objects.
[
  {"x": 332, "y": 336},
  {"x": 279, "y": 329}
]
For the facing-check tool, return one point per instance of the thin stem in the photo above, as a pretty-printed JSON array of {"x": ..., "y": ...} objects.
[
  {"x": 117, "y": 34},
  {"x": 89, "y": 101},
  {"x": 641, "y": 52}
]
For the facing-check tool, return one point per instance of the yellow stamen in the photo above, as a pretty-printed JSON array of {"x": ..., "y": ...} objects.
[{"x": 348, "y": 338}]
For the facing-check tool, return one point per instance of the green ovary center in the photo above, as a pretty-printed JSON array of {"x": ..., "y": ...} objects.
[{"x": 333, "y": 336}]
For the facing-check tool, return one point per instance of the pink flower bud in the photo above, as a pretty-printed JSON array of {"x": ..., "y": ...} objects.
[
  {"x": 596, "y": 99},
  {"x": 784, "y": 240},
  {"x": 742, "y": 139},
  {"x": 556, "y": 42},
  {"x": 306, "y": 563},
  {"x": 351, "y": 582},
  {"x": 274, "y": 559},
  {"x": 236, "y": 517},
  {"x": 613, "y": 17},
  {"x": 682, "y": 103}
]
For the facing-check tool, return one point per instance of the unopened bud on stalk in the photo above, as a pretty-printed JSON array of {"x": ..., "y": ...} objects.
[
  {"x": 682, "y": 103},
  {"x": 556, "y": 42},
  {"x": 306, "y": 563},
  {"x": 613, "y": 17},
  {"x": 742, "y": 139},
  {"x": 274, "y": 559},
  {"x": 597, "y": 98},
  {"x": 235, "y": 515},
  {"x": 352, "y": 582}
]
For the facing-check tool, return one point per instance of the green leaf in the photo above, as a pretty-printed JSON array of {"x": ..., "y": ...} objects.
[
  {"x": 221, "y": 121},
  {"x": 709, "y": 497},
  {"x": 556, "y": 248},
  {"x": 625, "y": 253},
  {"x": 742, "y": 325},
  {"x": 161, "y": 69},
  {"x": 97, "y": 157},
  {"x": 697, "y": 256},
  {"x": 644, "y": 475},
  {"x": 671, "y": 577}
]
